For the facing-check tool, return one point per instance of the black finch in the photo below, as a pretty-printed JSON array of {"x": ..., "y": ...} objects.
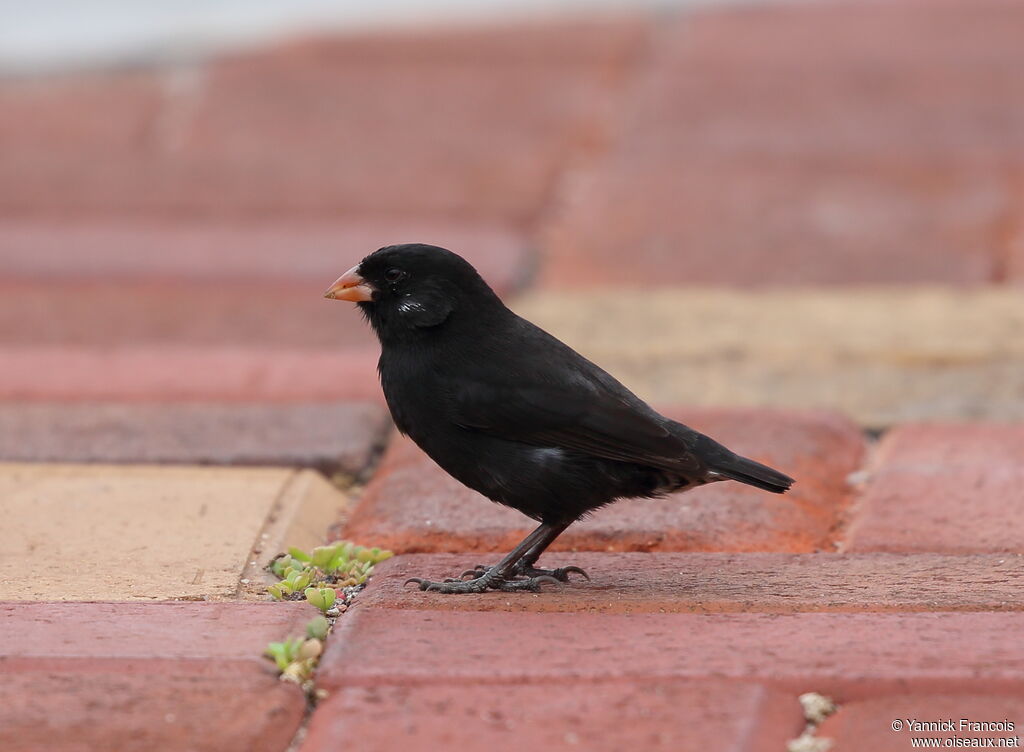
[{"x": 514, "y": 413}]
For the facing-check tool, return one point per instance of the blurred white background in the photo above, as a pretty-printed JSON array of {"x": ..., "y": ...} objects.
[{"x": 55, "y": 34}]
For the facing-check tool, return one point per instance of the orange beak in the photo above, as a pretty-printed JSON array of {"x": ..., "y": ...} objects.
[{"x": 350, "y": 286}]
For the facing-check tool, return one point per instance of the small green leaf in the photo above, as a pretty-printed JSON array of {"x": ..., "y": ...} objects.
[
  {"x": 338, "y": 562},
  {"x": 314, "y": 598},
  {"x": 279, "y": 565},
  {"x": 322, "y": 598},
  {"x": 298, "y": 553},
  {"x": 294, "y": 644},
  {"x": 280, "y": 653},
  {"x": 318, "y": 627},
  {"x": 298, "y": 580},
  {"x": 322, "y": 555}
]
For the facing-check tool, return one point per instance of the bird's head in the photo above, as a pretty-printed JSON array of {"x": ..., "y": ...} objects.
[{"x": 413, "y": 287}]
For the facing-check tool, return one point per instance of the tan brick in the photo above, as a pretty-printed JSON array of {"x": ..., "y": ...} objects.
[
  {"x": 881, "y": 356},
  {"x": 147, "y": 533}
]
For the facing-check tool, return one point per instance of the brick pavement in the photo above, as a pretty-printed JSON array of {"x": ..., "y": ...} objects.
[{"x": 794, "y": 227}]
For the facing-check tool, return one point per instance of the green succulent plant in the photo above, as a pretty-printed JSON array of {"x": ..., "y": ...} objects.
[
  {"x": 343, "y": 564},
  {"x": 321, "y": 597},
  {"x": 318, "y": 627},
  {"x": 317, "y": 575},
  {"x": 284, "y": 653},
  {"x": 296, "y": 657}
]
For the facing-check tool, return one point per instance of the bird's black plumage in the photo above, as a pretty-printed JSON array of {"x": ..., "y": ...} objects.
[{"x": 514, "y": 413}]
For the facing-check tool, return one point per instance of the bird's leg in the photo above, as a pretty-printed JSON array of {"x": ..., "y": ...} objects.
[
  {"x": 525, "y": 566},
  {"x": 503, "y": 575}
]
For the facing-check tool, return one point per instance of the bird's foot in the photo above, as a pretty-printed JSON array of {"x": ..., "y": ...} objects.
[
  {"x": 485, "y": 579},
  {"x": 521, "y": 570},
  {"x": 561, "y": 573}
]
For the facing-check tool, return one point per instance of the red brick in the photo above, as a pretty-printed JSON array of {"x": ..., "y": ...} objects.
[
  {"x": 610, "y": 42},
  {"x": 102, "y": 284},
  {"x": 176, "y": 676},
  {"x": 127, "y": 632},
  {"x": 138, "y": 288},
  {"x": 978, "y": 33},
  {"x": 448, "y": 140},
  {"x": 844, "y": 78},
  {"x": 1013, "y": 252},
  {"x": 336, "y": 134},
  {"x": 95, "y": 313},
  {"x": 776, "y": 222},
  {"x": 846, "y": 144},
  {"x": 932, "y": 115},
  {"x": 850, "y": 655},
  {"x": 307, "y": 253},
  {"x": 329, "y": 436},
  {"x": 639, "y": 583},
  {"x": 412, "y": 505},
  {"x": 868, "y": 724},
  {"x": 191, "y": 710},
  {"x": 62, "y": 124},
  {"x": 169, "y": 373},
  {"x": 950, "y": 488},
  {"x": 77, "y": 141},
  {"x": 656, "y": 715}
]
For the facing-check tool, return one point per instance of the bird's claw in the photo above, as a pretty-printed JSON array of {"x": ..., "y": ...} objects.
[
  {"x": 484, "y": 582},
  {"x": 535, "y": 582},
  {"x": 562, "y": 573}
]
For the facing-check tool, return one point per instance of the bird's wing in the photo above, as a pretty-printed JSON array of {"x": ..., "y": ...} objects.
[{"x": 604, "y": 420}]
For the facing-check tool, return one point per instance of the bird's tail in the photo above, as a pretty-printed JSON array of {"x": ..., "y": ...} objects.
[{"x": 752, "y": 473}]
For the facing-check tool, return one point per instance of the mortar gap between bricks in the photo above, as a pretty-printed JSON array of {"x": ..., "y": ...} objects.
[
  {"x": 302, "y": 731},
  {"x": 352, "y": 483},
  {"x": 315, "y": 696},
  {"x": 353, "y": 486},
  {"x": 301, "y": 515},
  {"x": 252, "y": 571},
  {"x": 1008, "y": 227},
  {"x": 589, "y": 158},
  {"x": 348, "y": 481},
  {"x": 858, "y": 482}
]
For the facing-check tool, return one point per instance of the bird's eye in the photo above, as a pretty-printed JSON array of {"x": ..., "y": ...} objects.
[{"x": 393, "y": 275}]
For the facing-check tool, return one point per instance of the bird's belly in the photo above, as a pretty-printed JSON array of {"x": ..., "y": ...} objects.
[{"x": 545, "y": 483}]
